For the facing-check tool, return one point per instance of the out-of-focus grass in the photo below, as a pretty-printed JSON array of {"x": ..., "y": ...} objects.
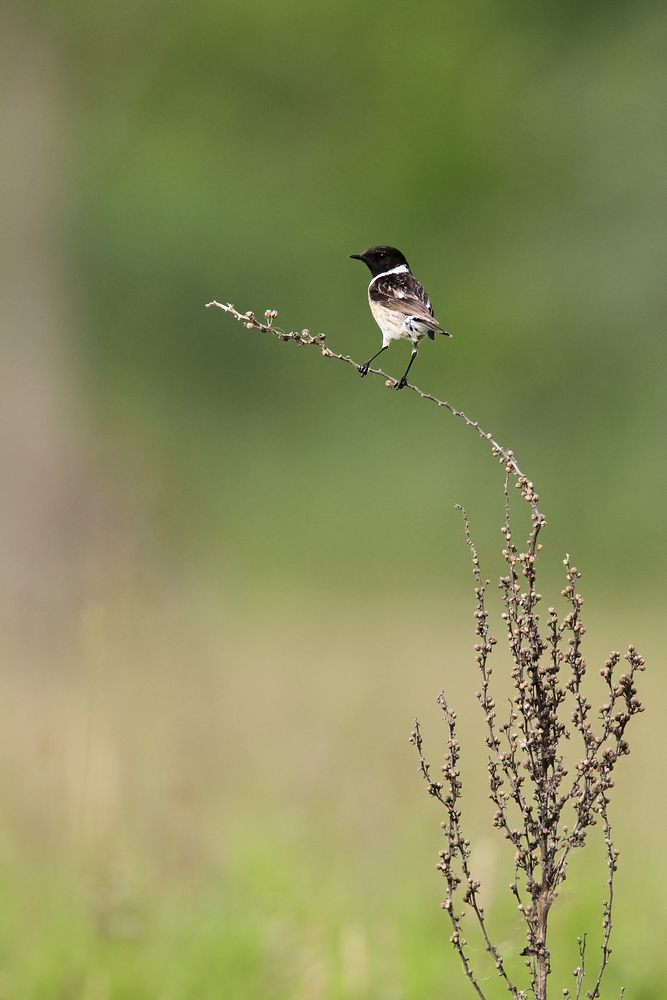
[
  {"x": 255, "y": 826},
  {"x": 273, "y": 931}
]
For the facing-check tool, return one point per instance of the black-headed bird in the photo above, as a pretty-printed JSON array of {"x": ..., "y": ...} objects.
[{"x": 399, "y": 303}]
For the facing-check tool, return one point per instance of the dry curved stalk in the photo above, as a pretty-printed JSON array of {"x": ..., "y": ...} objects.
[{"x": 304, "y": 338}]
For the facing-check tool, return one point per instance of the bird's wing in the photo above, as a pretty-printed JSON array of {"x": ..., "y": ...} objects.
[
  {"x": 403, "y": 287},
  {"x": 404, "y": 294}
]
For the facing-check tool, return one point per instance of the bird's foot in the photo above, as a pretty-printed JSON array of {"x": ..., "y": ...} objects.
[
  {"x": 363, "y": 370},
  {"x": 402, "y": 382}
]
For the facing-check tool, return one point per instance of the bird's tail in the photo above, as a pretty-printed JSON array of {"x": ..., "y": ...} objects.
[{"x": 424, "y": 324}]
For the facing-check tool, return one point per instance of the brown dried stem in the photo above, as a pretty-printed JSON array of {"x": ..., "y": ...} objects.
[{"x": 304, "y": 338}]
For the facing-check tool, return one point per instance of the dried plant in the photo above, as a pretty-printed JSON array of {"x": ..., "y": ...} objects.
[
  {"x": 526, "y": 764},
  {"x": 526, "y": 767}
]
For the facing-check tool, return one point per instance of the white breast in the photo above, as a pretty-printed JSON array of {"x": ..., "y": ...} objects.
[{"x": 390, "y": 322}]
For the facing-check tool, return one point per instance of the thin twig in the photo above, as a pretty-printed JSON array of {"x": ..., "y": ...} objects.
[
  {"x": 445, "y": 865},
  {"x": 580, "y": 972},
  {"x": 306, "y": 339},
  {"x": 612, "y": 857},
  {"x": 457, "y": 845}
]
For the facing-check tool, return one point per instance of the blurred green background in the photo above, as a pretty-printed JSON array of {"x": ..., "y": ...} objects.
[{"x": 231, "y": 573}]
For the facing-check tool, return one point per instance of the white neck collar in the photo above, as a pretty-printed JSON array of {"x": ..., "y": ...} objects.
[{"x": 401, "y": 269}]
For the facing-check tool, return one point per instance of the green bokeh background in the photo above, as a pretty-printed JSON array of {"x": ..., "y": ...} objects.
[{"x": 232, "y": 572}]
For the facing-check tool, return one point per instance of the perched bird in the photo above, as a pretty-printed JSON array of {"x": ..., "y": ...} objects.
[{"x": 400, "y": 305}]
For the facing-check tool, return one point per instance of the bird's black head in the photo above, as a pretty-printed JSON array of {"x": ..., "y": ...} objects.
[{"x": 380, "y": 259}]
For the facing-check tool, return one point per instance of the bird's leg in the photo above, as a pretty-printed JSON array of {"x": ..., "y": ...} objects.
[
  {"x": 366, "y": 365},
  {"x": 404, "y": 381}
]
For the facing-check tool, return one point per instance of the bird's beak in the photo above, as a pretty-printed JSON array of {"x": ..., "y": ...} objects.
[{"x": 357, "y": 256}]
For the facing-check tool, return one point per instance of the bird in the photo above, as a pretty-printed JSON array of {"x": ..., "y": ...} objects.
[{"x": 399, "y": 303}]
